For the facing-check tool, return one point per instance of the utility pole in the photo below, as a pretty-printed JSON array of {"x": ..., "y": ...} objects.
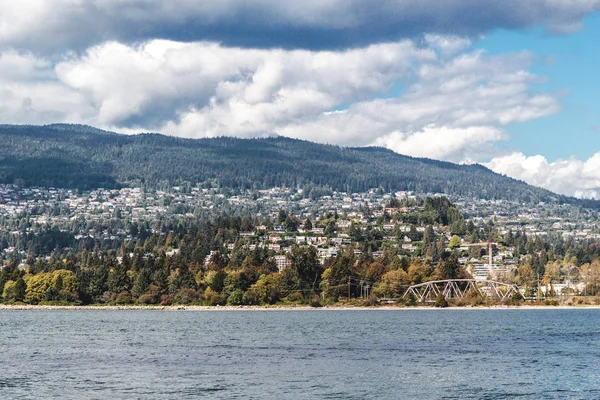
[{"x": 348, "y": 287}]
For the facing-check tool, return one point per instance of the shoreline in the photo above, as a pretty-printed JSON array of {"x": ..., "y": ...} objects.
[{"x": 25, "y": 307}]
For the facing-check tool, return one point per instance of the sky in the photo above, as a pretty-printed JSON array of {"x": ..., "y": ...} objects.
[{"x": 509, "y": 84}]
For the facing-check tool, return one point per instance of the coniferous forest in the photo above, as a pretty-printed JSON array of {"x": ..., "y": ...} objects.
[{"x": 81, "y": 157}]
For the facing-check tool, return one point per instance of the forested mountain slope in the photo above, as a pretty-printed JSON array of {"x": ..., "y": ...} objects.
[{"x": 83, "y": 157}]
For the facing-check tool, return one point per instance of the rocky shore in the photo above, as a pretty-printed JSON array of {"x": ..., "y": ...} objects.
[{"x": 25, "y": 307}]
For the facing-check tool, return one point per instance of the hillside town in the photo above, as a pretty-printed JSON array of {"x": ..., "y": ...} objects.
[{"x": 331, "y": 222}]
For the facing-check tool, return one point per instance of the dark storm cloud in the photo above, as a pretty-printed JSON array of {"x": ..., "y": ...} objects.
[{"x": 44, "y": 26}]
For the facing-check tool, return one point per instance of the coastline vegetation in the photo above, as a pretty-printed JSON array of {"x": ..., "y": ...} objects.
[{"x": 203, "y": 272}]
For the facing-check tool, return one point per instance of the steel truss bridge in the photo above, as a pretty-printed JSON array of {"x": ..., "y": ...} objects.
[{"x": 459, "y": 288}]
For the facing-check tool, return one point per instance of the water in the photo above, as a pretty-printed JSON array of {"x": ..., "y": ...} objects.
[{"x": 462, "y": 354}]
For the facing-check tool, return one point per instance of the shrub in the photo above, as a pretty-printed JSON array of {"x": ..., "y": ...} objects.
[
  {"x": 550, "y": 302},
  {"x": 295, "y": 297},
  {"x": 213, "y": 298},
  {"x": 250, "y": 297},
  {"x": 236, "y": 298},
  {"x": 440, "y": 301},
  {"x": 166, "y": 299},
  {"x": 148, "y": 298},
  {"x": 315, "y": 302},
  {"x": 371, "y": 301},
  {"x": 410, "y": 300},
  {"x": 474, "y": 298},
  {"x": 108, "y": 297},
  {"x": 186, "y": 296},
  {"x": 123, "y": 298},
  {"x": 515, "y": 299}
]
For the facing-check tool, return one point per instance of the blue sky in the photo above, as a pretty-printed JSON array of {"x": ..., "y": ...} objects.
[
  {"x": 510, "y": 84},
  {"x": 571, "y": 64}
]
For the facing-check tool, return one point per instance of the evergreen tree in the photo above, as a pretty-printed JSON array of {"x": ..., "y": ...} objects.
[
  {"x": 308, "y": 267},
  {"x": 99, "y": 281},
  {"x": 118, "y": 280},
  {"x": 448, "y": 267},
  {"x": 184, "y": 279},
  {"x": 142, "y": 280},
  {"x": 20, "y": 289},
  {"x": 308, "y": 224}
]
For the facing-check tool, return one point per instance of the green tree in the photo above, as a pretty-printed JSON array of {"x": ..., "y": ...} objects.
[
  {"x": 306, "y": 263},
  {"x": 142, "y": 281},
  {"x": 37, "y": 287},
  {"x": 308, "y": 224},
  {"x": 20, "y": 289},
  {"x": 393, "y": 284},
  {"x": 454, "y": 242},
  {"x": 282, "y": 216},
  {"x": 329, "y": 229},
  {"x": 118, "y": 280},
  {"x": 448, "y": 267},
  {"x": 335, "y": 277},
  {"x": 291, "y": 223},
  {"x": 8, "y": 292},
  {"x": 183, "y": 279},
  {"x": 266, "y": 290},
  {"x": 410, "y": 300},
  {"x": 99, "y": 281},
  {"x": 161, "y": 278},
  {"x": 215, "y": 280}
]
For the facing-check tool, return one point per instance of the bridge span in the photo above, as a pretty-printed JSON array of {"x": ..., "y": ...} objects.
[{"x": 459, "y": 288}]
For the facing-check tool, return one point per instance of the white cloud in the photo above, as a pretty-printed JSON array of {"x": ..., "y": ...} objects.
[
  {"x": 202, "y": 69},
  {"x": 454, "y": 111},
  {"x": 447, "y": 45},
  {"x": 443, "y": 142},
  {"x": 203, "y": 89},
  {"x": 570, "y": 177},
  {"x": 30, "y": 92},
  {"x": 454, "y": 104}
]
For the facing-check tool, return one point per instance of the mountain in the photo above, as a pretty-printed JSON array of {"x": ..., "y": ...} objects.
[{"x": 82, "y": 157}]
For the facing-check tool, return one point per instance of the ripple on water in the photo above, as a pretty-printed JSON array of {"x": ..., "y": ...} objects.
[{"x": 300, "y": 355}]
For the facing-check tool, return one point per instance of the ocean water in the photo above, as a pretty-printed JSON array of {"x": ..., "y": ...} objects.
[{"x": 320, "y": 354}]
